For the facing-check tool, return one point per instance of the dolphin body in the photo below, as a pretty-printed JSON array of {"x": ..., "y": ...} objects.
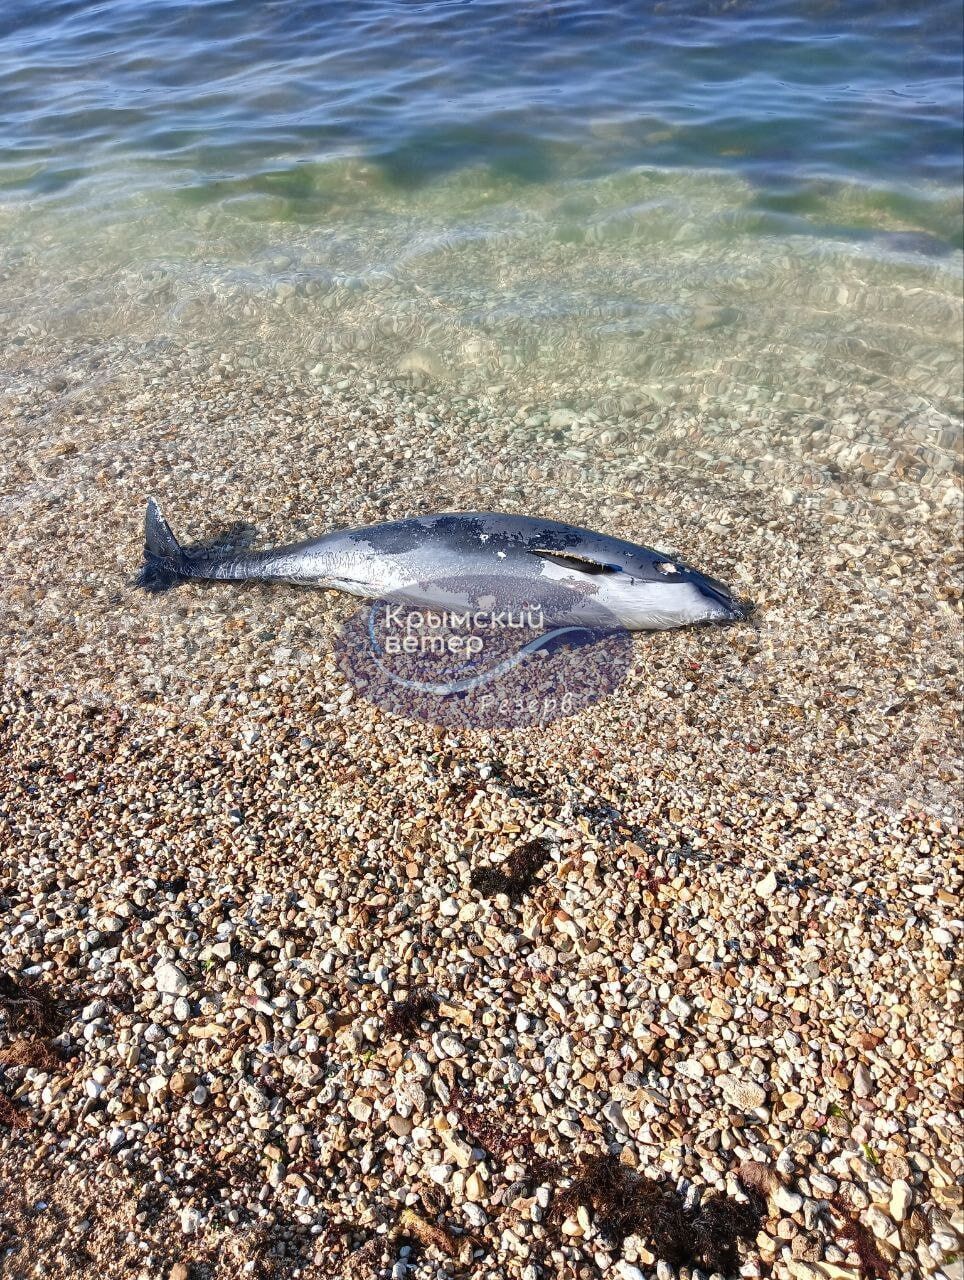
[{"x": 470, "y": 559}]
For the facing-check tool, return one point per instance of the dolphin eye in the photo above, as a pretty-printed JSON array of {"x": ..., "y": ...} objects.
[{"x": 665, "y": 566}]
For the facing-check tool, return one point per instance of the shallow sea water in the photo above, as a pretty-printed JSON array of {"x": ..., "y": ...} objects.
[
  {"x": 689, "y": 273},
  {"x": 666, "y": 201}
]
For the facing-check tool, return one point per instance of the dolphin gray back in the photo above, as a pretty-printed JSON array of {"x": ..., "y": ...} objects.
[{"x": 498, "y": 539}]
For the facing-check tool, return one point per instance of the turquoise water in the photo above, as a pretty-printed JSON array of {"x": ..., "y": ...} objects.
[{"x": 667, "y": 201}]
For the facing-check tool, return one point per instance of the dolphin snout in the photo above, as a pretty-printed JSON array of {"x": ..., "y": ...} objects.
[{"x": 727, "y": 608}]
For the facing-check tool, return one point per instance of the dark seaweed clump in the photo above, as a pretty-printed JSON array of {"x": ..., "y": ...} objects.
[
  {"x": 872, "y": 1263},
  {"x": 506, "y": 1143},
  {"x": 10, "y": 1118},
  {"x": 515, "y": 875},
  {"x": 626, "y": 1203},
  {"x": 29, "y": 1008},
  {"x": 404, "y": 1016},
  {"x": 30, "y": 1052}
]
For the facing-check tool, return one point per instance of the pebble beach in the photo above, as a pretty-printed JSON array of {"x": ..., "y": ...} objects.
[
  {"x": 269, "y": 1006},
  {"x": 297, "y": 987}
]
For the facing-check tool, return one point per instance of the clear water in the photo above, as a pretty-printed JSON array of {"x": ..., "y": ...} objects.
[
  {"x": 686, "y": 272},
  {"x": 223, "y": 96},
  {"x": 609, "y": 205}
]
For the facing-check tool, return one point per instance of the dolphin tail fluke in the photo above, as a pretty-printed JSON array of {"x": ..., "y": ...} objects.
[{"x": 163, "y": 556}]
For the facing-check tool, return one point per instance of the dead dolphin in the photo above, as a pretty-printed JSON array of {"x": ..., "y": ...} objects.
[{"x": 459, "y": 559}]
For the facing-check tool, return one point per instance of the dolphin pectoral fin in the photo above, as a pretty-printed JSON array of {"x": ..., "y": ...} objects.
[{"x": 579, "y": 564}]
